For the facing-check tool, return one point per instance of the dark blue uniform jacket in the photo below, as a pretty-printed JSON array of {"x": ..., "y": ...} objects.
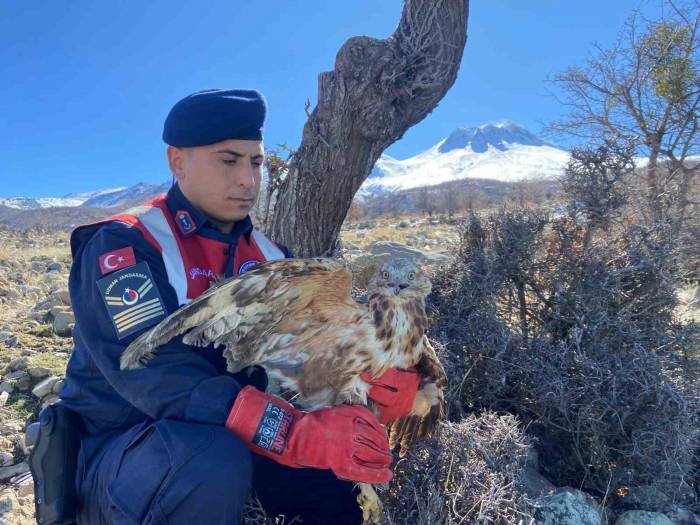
[{"x": 182, "y": 382}]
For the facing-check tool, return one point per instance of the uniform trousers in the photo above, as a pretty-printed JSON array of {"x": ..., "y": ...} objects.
[{"x": 171, "y": 472}]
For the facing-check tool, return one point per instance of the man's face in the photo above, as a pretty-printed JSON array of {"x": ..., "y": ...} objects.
[{"x": 222, "y": 179}]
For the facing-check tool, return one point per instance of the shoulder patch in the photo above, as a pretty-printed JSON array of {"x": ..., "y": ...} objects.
[
  {"x": 132, "y": 299},
  {"x": 116, "y": 259}
]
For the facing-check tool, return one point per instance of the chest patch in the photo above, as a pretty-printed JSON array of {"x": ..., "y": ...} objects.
[{"x": 132, "y": 299}]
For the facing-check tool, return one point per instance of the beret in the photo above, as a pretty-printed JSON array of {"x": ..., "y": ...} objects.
[{"x": 213, "y": 115}]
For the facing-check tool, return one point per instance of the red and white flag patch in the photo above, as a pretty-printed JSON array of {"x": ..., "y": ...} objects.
[{"x": 114, "y": 260}]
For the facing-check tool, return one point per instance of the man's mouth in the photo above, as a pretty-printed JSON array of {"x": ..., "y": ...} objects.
[{"x": 241, "y": 200}]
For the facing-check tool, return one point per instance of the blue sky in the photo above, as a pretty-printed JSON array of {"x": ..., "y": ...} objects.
[{"x": 85, "y": 85}]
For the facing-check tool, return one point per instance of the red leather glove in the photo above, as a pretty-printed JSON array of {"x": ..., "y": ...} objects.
[
  {"x": 346, "y": 439},
  {"x": 394, "y": 392}
]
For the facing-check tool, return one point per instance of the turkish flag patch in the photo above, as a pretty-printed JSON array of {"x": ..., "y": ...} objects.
[{"x": 114, "y": 260}]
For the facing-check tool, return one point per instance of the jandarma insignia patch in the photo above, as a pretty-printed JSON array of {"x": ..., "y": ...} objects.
[{"x": 132, "y": 299}]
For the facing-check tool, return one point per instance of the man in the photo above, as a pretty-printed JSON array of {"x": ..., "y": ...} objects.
[{"x": 172, "y": 442}]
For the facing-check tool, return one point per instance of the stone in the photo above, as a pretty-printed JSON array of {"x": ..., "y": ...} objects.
[
  {"x": 681, "y": 516},
  {"x": 7, "y": 387},
  {"x": 38, "y": 266},
  {"x": 533, "y": 484},
  {"x": 63, "y": 323},
  {"x": 44, "y": 387},
  {"x": 4, "y": 396},
  {"x": 566, "y": 506},
  {"x": 642, "y": 517},
  {"x": 6, "y": 459},
  {"x": 58, "y": 309},
  {"x": 25, "y": 487},
  {"x": 55, "y": 267},
  {"x": 31, "y": 434},
  {"x": 13, "y": 470},
  {"x": 38, "y": 372},
  {"x": 645, "y": 497},
  {"x": 28, "y": 289},
  {"x": 19, "y": 379},
  {"x": 49, "y": 400},
  {"x": 58, "y": 386},
  {"x": 19, "y": 363},
  {"x": 8, "y": 505},
  {"x": 11, "y": 341},
  {"x": 62, "y": 295}
]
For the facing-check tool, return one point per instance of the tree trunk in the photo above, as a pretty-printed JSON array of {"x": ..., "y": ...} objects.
[{"x": 377, "y": 90}]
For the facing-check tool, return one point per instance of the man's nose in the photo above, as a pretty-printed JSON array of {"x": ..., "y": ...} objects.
[{"x": 246, "y": 179}]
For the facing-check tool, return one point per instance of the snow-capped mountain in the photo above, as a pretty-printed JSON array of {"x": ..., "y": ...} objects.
[
  {"x": 97, "y": 199},
  {"x": 504, "y": 151}
]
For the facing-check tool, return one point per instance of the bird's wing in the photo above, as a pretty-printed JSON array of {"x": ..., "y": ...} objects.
[
  {"x": 406, "y": 430},
  {"x": 247, "y": 306}
]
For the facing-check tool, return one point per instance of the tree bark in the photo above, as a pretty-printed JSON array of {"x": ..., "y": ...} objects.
[{"x": 377, "y": 90}]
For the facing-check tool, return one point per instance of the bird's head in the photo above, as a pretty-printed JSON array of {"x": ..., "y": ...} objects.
[{"x": 400, "y": 277}]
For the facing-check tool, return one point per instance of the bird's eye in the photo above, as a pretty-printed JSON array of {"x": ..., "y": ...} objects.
[
  {"x": 385, "y": 274},
  {"x": 411, "y": 276}
]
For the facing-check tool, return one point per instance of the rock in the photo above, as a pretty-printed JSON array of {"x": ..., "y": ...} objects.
[
  {"x": 19, "y": 380},
  {"x": 38, "y": 372},
  {"x": 13, "y": 470},
  {"x": 566, "y": 506},
  {"x": 7, "y": 387},
  {"x": 32, "y": 434},
  {"x": 63, "y": 324},
  {"x": 25, "y": 487},
  {"x": 681, "y": 516},
  {"x": 6, "y": 459},
  {"x": 645, "y": 497},
  {"x": 28, "y": 289},
  {"x": 58, "y": 309},
  {"x": 62, "y": 295},
  {"x": 12, "y": 341},
  {"x": 4, "y": 396},
  {"x": 55, "y": 267},
  {"x": 534, "y": 484},
  {"x": 8, "y": 506},
  {"x": 642, "y": 517},
  {"x": 19, "y": 363},
  {"x": 38, "y": 266},
  {"x": 4, "y": 335},
  {"x": 58, "y": 386},
  {"x": 49, "y": 400},
  {"x": 403, "y": 224},
  {"x": 45, "y": 387}
]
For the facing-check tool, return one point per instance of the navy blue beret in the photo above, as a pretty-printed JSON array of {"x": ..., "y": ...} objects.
[{"x": 214, "y": 115}]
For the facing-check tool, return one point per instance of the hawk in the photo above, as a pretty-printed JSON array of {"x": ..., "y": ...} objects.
[{"x": 297, "y": 318}]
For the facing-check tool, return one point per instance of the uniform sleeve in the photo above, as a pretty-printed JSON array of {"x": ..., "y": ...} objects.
[{"x": 178, "y": 383}]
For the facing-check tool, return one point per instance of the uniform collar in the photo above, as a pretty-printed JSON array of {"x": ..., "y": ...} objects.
[{"x": 189, "y": 220}]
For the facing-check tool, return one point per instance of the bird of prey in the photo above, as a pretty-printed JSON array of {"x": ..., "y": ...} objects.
[{"x": 297, "y": 318}]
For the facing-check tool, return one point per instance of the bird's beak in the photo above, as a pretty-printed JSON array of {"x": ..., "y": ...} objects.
[{"x": 396, "y": 289}]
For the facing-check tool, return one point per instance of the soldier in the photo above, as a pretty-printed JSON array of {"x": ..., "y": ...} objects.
[{"x": 167, "y": 442}]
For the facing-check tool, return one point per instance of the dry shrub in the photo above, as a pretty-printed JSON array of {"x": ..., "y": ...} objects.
[
  {"x": 573, "y": 330},
  {"x": 467, "y": 473}
]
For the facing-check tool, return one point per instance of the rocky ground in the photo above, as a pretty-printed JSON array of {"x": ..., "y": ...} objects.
[{"x": 35, "y": 342}]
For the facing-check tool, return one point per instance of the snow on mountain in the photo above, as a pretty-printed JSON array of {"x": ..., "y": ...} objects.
[
  {"x": 505, "y": 152},
  {"x": 126, "y": 196},
  {"x": 97, "y": 199},
  {"x": 32, "y": 203}
]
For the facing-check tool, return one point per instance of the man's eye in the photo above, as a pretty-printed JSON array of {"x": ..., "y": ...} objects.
[
  {"x": 230, "y": 162},
  {"x": 257, "y": 164}
]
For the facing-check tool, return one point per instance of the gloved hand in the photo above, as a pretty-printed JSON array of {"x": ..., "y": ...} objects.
[
  {"x": 346, "y": 439},
  {"x": 394, "y": 392}
]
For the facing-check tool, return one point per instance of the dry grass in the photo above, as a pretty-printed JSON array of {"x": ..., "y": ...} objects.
[{"x": 417, "y": 232}]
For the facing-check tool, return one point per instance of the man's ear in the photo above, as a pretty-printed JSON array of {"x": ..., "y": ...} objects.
[{"x": 176, "y": 161}]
